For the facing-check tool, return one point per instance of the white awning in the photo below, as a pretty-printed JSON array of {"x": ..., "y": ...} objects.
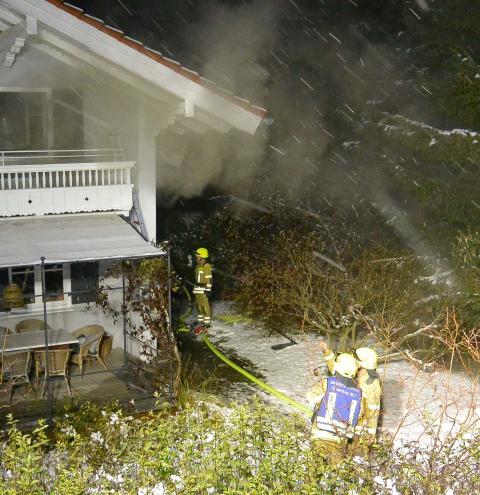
[{"x": 69, "y": 238}]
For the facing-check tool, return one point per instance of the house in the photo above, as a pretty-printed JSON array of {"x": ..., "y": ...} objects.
[{"x": 81, "y": 108}]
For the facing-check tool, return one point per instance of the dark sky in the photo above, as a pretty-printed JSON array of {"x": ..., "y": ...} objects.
[{"x": 169, "y": 25}]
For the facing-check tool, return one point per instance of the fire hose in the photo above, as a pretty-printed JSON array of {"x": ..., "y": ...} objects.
[{"x": 272, "y": 391}]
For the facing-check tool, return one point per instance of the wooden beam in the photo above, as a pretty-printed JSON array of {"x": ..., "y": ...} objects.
[{"x": 12, "y": 41}]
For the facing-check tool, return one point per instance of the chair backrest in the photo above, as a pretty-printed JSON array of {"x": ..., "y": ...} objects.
[
  {"x": 57, "y": 360},
  {"x": 32, "y": 325},
  {"x": 5, "y": 331},
  {"x": 89, "y": 330},
  {"x": 93, "y": 334},
  {"x": 16, "y": 364}
]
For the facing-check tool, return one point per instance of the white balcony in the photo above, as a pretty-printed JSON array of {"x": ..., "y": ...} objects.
[{"x": 64, "y": 181}]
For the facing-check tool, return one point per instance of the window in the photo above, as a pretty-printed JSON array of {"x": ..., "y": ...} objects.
[
  {"x": 24, "y": 277},
  {"x": 22, "y": 121},
  {"x": 54, "y": 282},
  {"x": 4, "y": 281},
  {"x": 29, "y": 279},
  {"x": 84, "y": 282}
]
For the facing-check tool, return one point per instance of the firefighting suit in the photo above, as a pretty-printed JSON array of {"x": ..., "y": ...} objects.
[
  {"x": 371, "y": 385},
  {"x": 329, "y": 433},
  {"x": 201, "y": 290}
]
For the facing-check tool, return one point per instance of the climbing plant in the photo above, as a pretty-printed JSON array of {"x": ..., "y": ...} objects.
[{"x": 145, "y": 307}]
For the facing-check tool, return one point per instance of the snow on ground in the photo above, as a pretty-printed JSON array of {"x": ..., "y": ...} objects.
[{"x": 416, "y": 404}]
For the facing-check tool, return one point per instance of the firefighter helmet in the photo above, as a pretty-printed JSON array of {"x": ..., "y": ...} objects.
[
  {"x": 366, "y": 358},
  {"x": 202, "y": 252},
  {"x": 346, "y": 365}
]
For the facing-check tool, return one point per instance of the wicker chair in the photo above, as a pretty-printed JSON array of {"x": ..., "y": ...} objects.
[
  {"x": 89, "y": 347},
  {"x": 102, "y": 350},
  {"x": 32, "y": 325},
  {"x": 16, "y": 369},
  {"x": 57, "y": 365}
]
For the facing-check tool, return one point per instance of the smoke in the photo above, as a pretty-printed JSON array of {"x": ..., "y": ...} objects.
[
  {"x": 312, "y": 72},
  {"x": 242, "y": 49},
  {"x": 232, "y": 42}
]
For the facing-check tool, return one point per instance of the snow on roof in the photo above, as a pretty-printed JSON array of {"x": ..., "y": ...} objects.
[{"x": 156, "y": 56}]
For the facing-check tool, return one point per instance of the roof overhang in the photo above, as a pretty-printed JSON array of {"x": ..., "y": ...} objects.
[
  {"x": 70, "y": 238},
  {"x": 131, "y": 56}
]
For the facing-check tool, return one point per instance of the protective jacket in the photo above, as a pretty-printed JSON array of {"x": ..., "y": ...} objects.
[
  {"x": 370, "y": 383},
  {"x": 201, "y": 290},
  {"x": 337, "y": 402},
  {"x": 203, "y": 279}
]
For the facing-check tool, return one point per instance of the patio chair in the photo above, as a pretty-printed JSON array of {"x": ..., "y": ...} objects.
[
  {"x": 89, "y": 337},
  {"x": 57, "y": 365},
  {"x": 32, "y": 325},
  {"x": 16, "y": 369},
  {"x": 101, "y": 351}
]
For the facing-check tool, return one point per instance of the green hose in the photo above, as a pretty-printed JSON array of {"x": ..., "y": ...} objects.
[{"x": 254, "y": 379}]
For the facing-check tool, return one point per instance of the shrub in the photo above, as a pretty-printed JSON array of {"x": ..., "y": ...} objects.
[{"x": 206, "y": 449}]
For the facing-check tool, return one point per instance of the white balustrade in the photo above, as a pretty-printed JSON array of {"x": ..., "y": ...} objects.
[{"x": 46, "y": 188}]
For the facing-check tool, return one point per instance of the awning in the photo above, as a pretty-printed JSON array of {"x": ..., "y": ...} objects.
[{"x": 68, "y": 238}]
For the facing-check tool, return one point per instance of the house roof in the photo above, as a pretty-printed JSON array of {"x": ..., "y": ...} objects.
[
  {"x": 155, "y": 55},
  {"x": 148, "y": 64}
]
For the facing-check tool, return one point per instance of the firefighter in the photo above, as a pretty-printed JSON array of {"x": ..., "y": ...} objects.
[
  {"x": 371, "y": 385},
  {"x": 337, "y": 402},
  {"x": 203, "y": 287}
]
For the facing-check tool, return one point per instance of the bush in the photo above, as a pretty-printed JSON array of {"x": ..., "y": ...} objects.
[{"x": 206, "y": 449}]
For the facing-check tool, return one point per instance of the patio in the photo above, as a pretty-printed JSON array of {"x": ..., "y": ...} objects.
[
  {"x": 97, "y": 385},
  {"x": 69, "y": 327}
]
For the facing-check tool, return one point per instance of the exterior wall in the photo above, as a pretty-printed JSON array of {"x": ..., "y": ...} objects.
[
  {"x": 72, "y": 317},
  {"x": 34, "y": 69},
  {"x": 114, "y": 115}
]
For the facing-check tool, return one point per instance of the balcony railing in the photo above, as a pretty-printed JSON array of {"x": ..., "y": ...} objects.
[
  {"x": 30, "y": 157},
  {"x": 14, "y": 177},
  {"x": 51, "y": 185}
]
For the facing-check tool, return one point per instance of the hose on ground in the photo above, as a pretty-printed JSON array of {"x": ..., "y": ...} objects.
[{"x": 272, "y": 391}]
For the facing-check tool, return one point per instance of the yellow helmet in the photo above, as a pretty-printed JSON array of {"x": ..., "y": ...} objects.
[
  {"x": 202, "y": 252},
  {"x": 366, "y": 358},
  {"x": 346, "y": 365}
]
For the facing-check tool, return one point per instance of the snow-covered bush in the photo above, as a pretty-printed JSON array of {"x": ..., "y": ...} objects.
[{"x": 206, "y": 449}]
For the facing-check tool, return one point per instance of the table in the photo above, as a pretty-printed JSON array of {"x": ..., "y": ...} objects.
[{"x": 36, "y": 340}]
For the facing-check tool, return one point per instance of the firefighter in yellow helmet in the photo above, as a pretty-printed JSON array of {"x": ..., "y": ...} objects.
[
  {"x": 337, "y": 404},
  {"x": 369, "y": 381},
  {"x": 203, "y": 286}
]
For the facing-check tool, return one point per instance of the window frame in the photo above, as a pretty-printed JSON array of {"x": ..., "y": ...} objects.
[
  {"x": 46, "y": 95},
  {"x": 65, "y": 302}
]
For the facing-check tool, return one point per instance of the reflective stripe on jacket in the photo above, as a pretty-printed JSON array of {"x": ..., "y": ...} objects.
[{"x": 203, "y": 279}]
